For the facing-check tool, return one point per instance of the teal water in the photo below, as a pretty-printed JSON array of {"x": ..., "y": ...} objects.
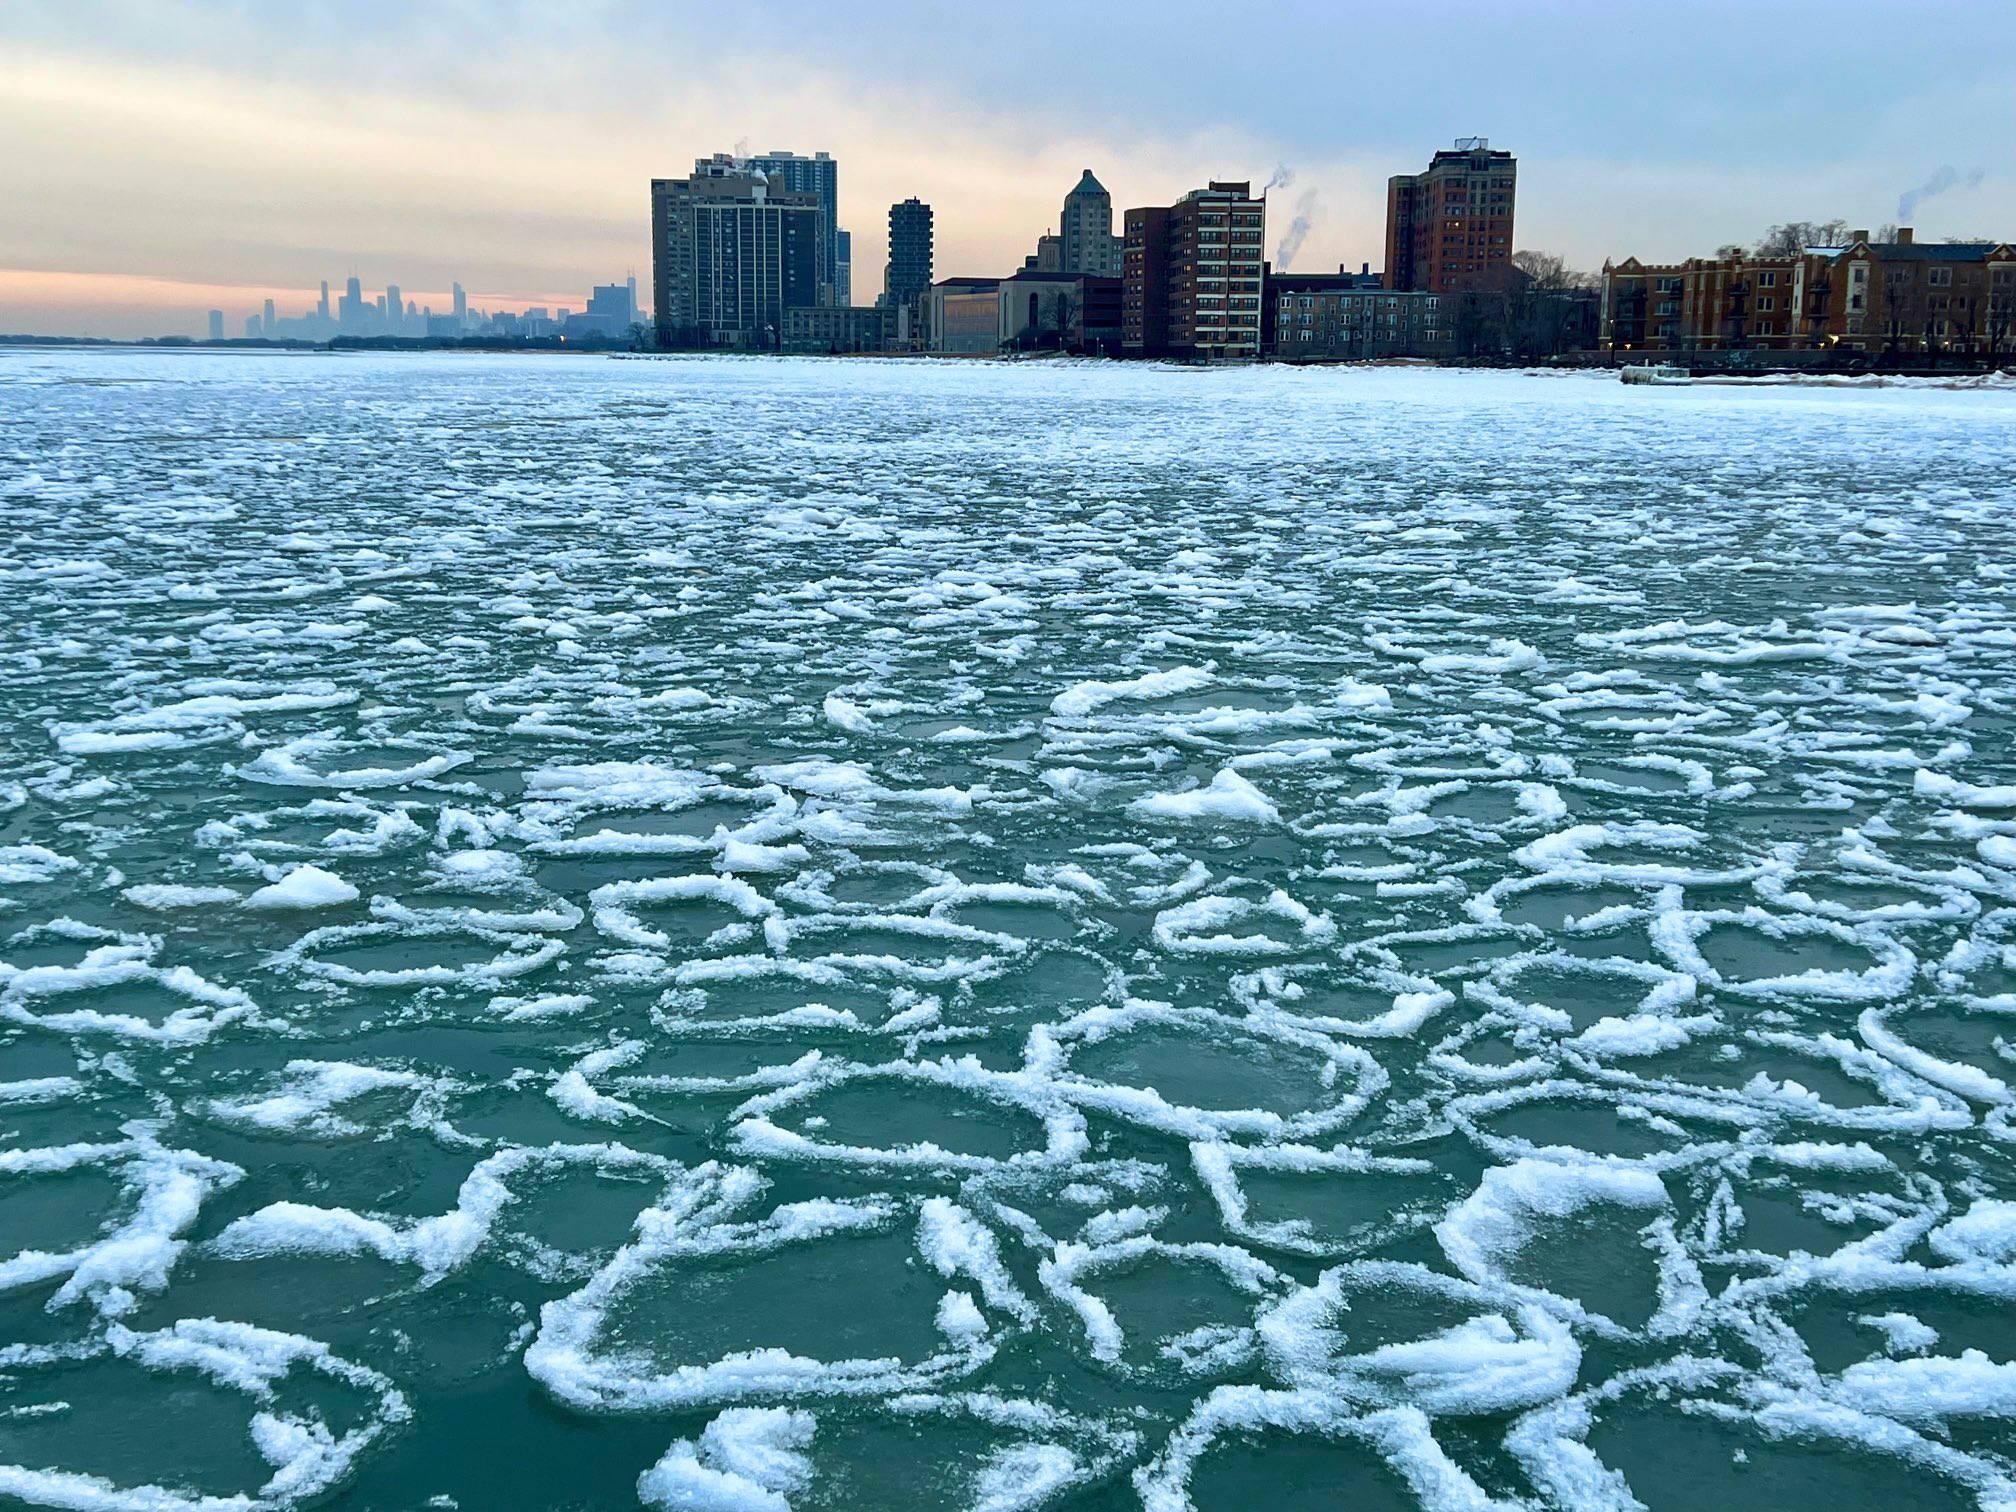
[{"x": 730, "y": 934}]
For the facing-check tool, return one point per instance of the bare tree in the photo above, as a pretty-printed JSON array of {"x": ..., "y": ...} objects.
[
  {"x": 1794, "y": 237},
  {"x": 1548, "y": 272},
  {"x": 1063, "y": 314}
]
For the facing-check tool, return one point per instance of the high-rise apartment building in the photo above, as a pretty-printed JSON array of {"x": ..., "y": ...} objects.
[
  {"x": 1192, "y": 274},
  {"x": 1086, "y": 227},
  {"x": 1449, "y": 230},
  {"x": 789, "y": 173},
  {"x": 729, "y": 256},
  {"x": 909, "y": 251},
  {"x": 843, "y": 270}
]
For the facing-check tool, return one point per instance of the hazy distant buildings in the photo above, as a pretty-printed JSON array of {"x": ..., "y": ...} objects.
[
  {"x": 611, "y": 310},
  {"x": 1087, "y": 242},
  {"x": 1192, "y": 274},
  {"x": 909, "y": 271},
  {"x": 1449, "y": 230},
  {"x": 729, "y": 256},
  {"x": 269, "y": 320},
  {"x": 216, "y": 325}
]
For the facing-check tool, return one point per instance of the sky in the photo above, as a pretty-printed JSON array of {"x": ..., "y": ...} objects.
[{"x": 165, "y": 157}]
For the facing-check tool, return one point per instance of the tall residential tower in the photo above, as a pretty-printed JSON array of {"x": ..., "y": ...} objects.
[
  {"x": 789, "y": 173},
  {"x": 729, "y": 256},
  {"x": 909, "y": 251},
  {"x": 1192, "y": 275},
  {"x": 1449, "y": 230}
]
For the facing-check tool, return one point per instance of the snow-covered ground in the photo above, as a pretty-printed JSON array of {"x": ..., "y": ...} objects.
[{"x": 770, "y": 934}]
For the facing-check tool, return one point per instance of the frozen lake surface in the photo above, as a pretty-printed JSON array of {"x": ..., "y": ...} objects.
[{"x": 769, "y": 934}]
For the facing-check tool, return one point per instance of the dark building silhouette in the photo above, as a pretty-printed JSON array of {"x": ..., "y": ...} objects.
[{"x": 909, "y": 251}]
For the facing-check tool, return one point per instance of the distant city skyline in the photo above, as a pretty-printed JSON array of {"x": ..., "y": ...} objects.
[{"x": 174, "y": 157}]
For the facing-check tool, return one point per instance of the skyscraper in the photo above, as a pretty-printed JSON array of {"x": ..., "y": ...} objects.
[
  {"x": 1087, "y": 230},
  {"x": 395, "y": 311},
  {"x": 461, "y": 309},
  {"x": 1449, "y": 230},
  {"x": 350, "y": 319},
  {"x": 216, "y": 325},
  {"x": 269, "y": 321},
  {"x": 909, "y": 251},
  {"x": 789, "y": 173},
  {"x": 322, "y": 308},
  {"x": 843, "y": 273},
  {"x": 729, "y": 256}
]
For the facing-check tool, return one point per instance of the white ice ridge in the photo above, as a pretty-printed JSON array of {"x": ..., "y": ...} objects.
[
  {"x": 701, "y": 1221},
  {"x": 437, "y": 1245},
  {"x": 82, "y": 998},
  {"x": 1228, "y": 798},
  {"x": 1085, "y": 697},
  {"x": 288, "y": 765},
  {"x": 164, "y": 1193},
  {"x": 273, "y": 1371}
]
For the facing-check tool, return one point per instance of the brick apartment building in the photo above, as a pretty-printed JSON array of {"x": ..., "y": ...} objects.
[
  {"x": 1449, "y": 230},
  {"x": 1192, "y": 275},
  {"x": 1896, "y": 296}
]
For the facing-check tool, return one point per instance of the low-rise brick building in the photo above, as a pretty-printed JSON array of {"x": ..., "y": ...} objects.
[
  {"x": 839, "y": 328},
  {"x": 1895, "y": 296}
]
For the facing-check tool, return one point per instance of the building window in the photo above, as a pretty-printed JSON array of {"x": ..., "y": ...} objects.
[
  {"x": 1939, "y": 278},
  {"x": 1767, "y": 280}
]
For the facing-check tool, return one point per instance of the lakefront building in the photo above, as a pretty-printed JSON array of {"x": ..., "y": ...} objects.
[
  {"x": 1897, "y": 296},
  {"x": 839, "y": 328},
  {"x": 729, "y": 256},
  {"x": 1449, "y": 230},
  {"x": 1065, "y": 312},
  {"x": 791, "y": 173},
  {"x": 1192, "y": 275},
  {"x": 962, "y": 317}
]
